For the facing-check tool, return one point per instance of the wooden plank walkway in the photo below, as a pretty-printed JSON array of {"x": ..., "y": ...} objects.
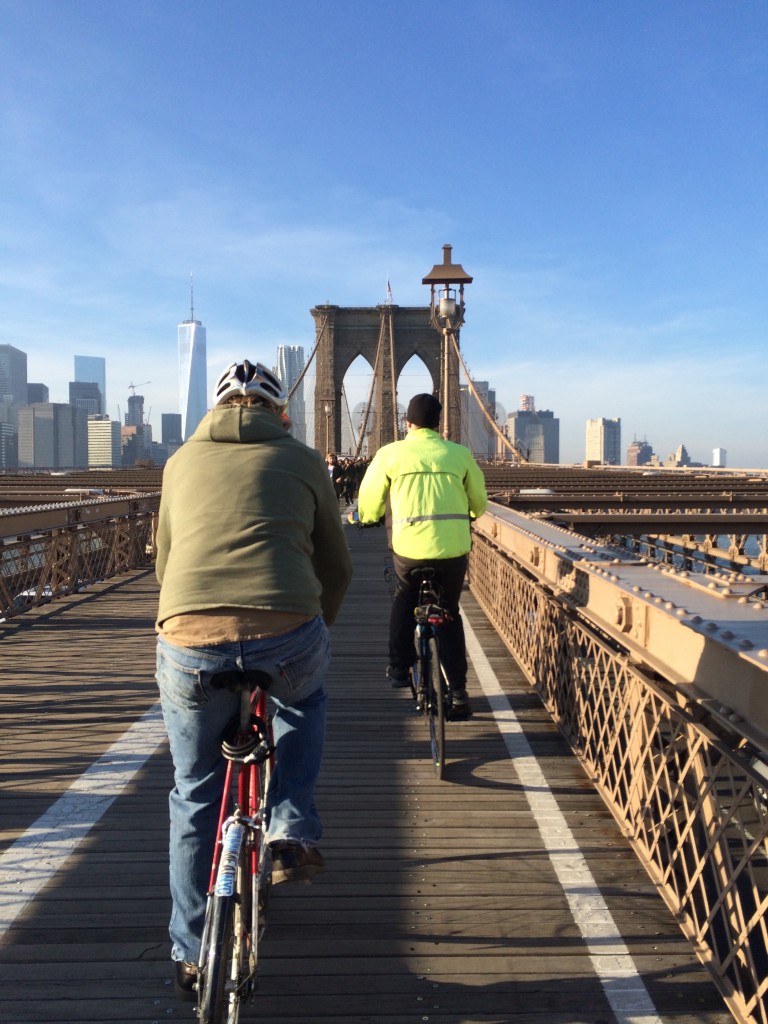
[{"x": 440, "y": 902}]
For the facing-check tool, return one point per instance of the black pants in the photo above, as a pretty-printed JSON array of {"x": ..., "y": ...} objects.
[{"x": 448, "y": 579}]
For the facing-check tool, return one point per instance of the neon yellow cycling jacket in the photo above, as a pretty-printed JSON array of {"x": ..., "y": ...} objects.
[{"x": 434, "y": 487}]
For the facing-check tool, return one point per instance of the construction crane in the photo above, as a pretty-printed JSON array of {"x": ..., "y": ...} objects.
[{"x": 134, "y": 386}]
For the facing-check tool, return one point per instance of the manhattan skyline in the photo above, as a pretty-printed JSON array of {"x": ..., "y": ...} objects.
[{"x": 599, "y": 169}]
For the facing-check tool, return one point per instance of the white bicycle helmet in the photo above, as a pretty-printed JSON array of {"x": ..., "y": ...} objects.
[{"x": 250, "y": 379}]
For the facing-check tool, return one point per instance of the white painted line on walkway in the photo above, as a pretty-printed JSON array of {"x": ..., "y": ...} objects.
[
  {"x": 37, "y": 855},
  {"x": 612, "y": 961}
]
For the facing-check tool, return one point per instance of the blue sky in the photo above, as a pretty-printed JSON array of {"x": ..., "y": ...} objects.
[{"x": 599, "y": 166}]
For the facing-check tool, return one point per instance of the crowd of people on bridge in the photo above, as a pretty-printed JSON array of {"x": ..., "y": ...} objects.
[{"x": 346, "y": 473}]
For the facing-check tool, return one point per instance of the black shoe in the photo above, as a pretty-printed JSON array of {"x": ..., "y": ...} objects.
[
  {"x": 399, "y": 677},
  {"x": 185, "y": 982},
  {"x": 292, "y": 862},
  {"x": 460, "y": 708}
]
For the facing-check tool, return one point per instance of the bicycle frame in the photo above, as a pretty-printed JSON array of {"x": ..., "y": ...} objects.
[{"x": 241, "y": 868}]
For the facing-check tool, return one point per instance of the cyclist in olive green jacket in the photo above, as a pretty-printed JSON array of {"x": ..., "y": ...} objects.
[{"x": 435, "y": 489}]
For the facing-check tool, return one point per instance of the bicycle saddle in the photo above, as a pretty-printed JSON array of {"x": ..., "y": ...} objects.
[{"x": 232, "y": 679}]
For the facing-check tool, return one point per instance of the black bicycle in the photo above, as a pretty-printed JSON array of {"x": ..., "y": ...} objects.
[{"x": 428, "y": 681}]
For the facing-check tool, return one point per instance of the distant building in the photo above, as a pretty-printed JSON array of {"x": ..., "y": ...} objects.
[
  {"x": 603, "y": 441},
  {"x": 93, "y": 370},
  {"x": 476, "y": 432},
  {"x": 290, "y": 363},
  {"x": 13, "y": 375},
  {"x": 719, "y": 457},
  {"x": 37, "y": 393},
  {"x": 170, "y": 428},
  {"x": 9, "y": 446},
  {"x": 86, "y": 395},
  {"x": 639, "y": 453},
  {"x": 193, "y": 374},
  {"x": 680, "y": 457},
  {"x": 52, "y": 436},
  {"x": 535, "y": 433},
  {"x": 135, "y": 415},
  {"x": 104, "y": 442},
  {"x": 160, "y": 453}
]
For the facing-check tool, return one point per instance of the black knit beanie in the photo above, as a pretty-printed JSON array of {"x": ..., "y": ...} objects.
[{"x": 424, "y": 411}]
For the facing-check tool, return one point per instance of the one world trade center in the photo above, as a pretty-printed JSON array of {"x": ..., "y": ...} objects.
[{"x": 193, "y": 378}]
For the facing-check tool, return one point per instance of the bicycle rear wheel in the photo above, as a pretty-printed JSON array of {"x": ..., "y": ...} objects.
[
  {"x": 436, "y": 705},
  {"x": 224, "y": 958}
]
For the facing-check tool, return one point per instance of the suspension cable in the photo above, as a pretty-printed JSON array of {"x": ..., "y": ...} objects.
[{"x": 516, "y": 453}]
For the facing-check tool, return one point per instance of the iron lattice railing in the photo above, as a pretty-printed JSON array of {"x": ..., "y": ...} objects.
[
  {"x": 37, "y": 568},
  {"x": 691, "y": 803}
]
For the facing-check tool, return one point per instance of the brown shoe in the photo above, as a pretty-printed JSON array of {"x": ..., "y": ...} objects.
[
  {"x": 292, "y": 862},
  {"x": 185, "y": 982}
]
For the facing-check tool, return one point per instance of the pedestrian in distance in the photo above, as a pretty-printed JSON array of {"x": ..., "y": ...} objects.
[
  {"x": 253, "y": 566},
  {"x": 435, "y": 488}
]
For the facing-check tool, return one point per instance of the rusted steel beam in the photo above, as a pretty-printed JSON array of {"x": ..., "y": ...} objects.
[
  {"x": 623, "y": 654},
  {"x": 39, "y": 518},
  {"x": 706, "y": 633}
]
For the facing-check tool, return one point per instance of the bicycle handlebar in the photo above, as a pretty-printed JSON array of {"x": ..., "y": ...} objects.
[{"x": 354, "y": 520}]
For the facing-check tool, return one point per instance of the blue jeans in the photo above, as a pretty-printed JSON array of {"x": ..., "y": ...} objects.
[{"x": 197, "y": 715}]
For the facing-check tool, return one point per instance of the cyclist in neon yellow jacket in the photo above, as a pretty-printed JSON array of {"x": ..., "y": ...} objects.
[{"x": 435, "y": 488}]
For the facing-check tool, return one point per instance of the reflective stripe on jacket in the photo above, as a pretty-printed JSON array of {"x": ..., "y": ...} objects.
[{"x": 434, "y": 487}]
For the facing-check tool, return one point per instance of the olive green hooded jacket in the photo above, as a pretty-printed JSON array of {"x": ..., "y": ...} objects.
[{"x": 249, "y": 519}]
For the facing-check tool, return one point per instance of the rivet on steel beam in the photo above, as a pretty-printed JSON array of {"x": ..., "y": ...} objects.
[
  {"x": 711, "y": 627},
  {"x": 763, "y": 653},
  {"x": 727, "y": 634},
  {"x": 746, "y": 645}
]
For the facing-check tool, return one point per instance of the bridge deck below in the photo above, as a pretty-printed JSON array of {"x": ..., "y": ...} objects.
[{"x": 441, "y": 902}]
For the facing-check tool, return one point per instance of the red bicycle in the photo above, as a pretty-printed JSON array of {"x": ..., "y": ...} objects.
[{"x": 241, "y": 872}]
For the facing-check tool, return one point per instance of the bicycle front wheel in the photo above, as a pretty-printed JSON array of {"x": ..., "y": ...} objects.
[
  {"x": 436, "y": 705},
  {"x": 224, "y": 952}
]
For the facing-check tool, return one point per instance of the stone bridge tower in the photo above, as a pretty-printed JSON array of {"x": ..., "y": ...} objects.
[{"x": 387, "y": 336}]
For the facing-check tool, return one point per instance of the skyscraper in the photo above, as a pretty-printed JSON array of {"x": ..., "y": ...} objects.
[
  {"x": 93, "y": 370},
  {"x": 193, "y": 381},
  {"x": 104, "y": 444},
  {"x": 476, "y": 432},
  {"x": 639, "y": 453},
  {"x": 535, "y": 433},
  {"x": 53, "y": 436},
  {"x": 13, "y": 375},
  {"x": 171, "y": 427},
  {"x": 85, "y": 395},
  {"x": 290, "y": 363},
  {"x": 603, "y": 443}
]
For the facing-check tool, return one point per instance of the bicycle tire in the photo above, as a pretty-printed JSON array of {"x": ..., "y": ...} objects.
[
  {"x": 224, "y": 937},
  {"x": 436, "y": 708}
]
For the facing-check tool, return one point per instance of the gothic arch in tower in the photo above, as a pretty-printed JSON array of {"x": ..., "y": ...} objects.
[{"x": 387, "y": 336}]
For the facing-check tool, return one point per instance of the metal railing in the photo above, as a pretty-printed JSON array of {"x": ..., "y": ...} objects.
[
  {"x": 53, "y": 550},
  {"x": 690, "y": 795}
]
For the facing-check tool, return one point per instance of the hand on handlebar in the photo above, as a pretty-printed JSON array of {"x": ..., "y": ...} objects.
[{"x": 354, "y": 520}]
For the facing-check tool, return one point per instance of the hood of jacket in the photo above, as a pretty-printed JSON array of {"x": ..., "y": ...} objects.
[{"x": 239, "y": 424}]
